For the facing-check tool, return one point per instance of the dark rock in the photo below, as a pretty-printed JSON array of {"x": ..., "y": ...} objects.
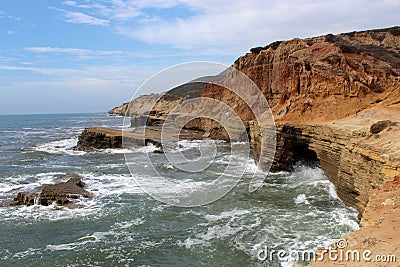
[
  {"x": 99, "y": 138},
  {"x": 65, "y": 191},
  {"x": 380, "y": 126}
]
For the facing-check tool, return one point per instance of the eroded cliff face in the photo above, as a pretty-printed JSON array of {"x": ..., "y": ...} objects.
[
  {"x": 120, "y": 110},
  {"x": 323, "y": 78},
  {"x": 355, "y": 159},
  {"x": 325, "y": 93}
]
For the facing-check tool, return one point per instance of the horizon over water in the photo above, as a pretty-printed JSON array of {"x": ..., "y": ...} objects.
[{"x": 123, "y": 226}]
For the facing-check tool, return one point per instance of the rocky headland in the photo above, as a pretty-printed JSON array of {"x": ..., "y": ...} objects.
[{"x": 336, "y": 102}]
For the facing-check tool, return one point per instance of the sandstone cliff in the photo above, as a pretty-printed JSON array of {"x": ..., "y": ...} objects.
[
  {"x": 325, "y": 93},
  {"x": 120, "y": 110},
  {"x": 306, "y": 80}
]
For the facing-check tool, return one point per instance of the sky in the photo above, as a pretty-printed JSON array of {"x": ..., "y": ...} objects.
[{"x": 91, "y": 55}]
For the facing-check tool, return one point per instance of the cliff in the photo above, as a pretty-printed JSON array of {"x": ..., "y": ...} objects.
[
  {"x": 358, "y": 154},
  {"x": 120, "y": 110},
  {"x": 325, "y": 93},
  {"x": 305, "y": 80}
]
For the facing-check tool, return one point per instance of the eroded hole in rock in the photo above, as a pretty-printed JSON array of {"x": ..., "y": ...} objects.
[{"x": 305, "y": 156}]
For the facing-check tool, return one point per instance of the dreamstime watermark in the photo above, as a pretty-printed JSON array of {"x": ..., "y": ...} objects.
[
  {"x": 340, "y": 253},
  {"x": 180, "y": 106}
]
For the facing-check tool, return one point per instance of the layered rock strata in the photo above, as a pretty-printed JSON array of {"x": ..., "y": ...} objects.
[{"x": 355, "y": 159}]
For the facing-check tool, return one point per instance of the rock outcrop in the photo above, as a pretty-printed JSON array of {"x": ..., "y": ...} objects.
[
  {"x": 65, "y": 191},
  {"x": 99, "y": 138},
  {"x": 120, "y": 110},
  {"x": 104, "y": 138}
]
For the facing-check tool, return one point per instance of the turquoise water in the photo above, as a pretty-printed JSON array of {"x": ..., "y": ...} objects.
[{"x": 123, "y": 226}]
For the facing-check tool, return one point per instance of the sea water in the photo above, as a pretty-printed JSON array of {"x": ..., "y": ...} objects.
[{"x": 123, "y": 226}]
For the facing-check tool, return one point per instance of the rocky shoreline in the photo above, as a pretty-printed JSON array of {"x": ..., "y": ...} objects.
[{"x": 336, "y": 101}]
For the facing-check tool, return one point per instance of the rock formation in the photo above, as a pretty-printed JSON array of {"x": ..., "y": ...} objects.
[
  {"x": 120, "y": 110},
  {"x": 65, "y": 191},
  {"x": 99, "y": 138}
]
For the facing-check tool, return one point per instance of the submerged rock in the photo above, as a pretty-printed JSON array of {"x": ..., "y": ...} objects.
[{"x": 66, "y": 190}]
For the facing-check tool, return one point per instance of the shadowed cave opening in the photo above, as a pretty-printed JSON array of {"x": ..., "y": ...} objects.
[{"x": 303, "y": 155}]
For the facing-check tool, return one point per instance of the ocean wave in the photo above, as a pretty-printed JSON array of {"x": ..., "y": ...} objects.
[
  {"x": 61, "y": 147},
  {"x": 232, "y": 214}
]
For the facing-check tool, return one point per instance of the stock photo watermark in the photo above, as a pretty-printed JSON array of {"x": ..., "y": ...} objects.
[{"x": 341, "y": 253}]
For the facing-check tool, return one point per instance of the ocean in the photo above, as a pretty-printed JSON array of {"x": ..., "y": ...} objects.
[{"x": 123, "y": 226}]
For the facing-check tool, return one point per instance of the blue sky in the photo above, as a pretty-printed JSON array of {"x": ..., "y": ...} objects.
[{"x": 91, "y": 55}]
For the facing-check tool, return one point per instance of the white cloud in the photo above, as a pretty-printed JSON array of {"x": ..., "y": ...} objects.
[
  {"x": 45, "y": 71},
  {"x": 118, "y": 54},
  {"x": 82, "y": 18},
  {"x": 75, "y": 90},
  {"x": 107, "y": 74},
  {"x": 79, "y": 18},
  {"x": 74, "y": 51},
  {"x": 69, "y": 3},
  {"x": 10, "y": 32}
]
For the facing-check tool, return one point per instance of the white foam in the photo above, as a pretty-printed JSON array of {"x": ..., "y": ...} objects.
[
  {"x": 146, "y": 149},
  {"x": 20, "y": 182},
  {"x": 227, "y": 214},
  {"x": 184, "y": 145},
  {"x": 61, "y": 147},
  {"x": 219, "y": 232},
  {"x": 300, "y": 199},
  {"x": 4, "y": 187},
  {"x": 93, "y": 238},
  {"x": 110, "y": 184},
  {"x": 332, "y": 191},
  {"x": 129, "y": 224}
]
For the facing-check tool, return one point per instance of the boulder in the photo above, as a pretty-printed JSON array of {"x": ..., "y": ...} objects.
[
  {"x": 379, "y": 126},
  {"x": 66, "y": 190}
]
